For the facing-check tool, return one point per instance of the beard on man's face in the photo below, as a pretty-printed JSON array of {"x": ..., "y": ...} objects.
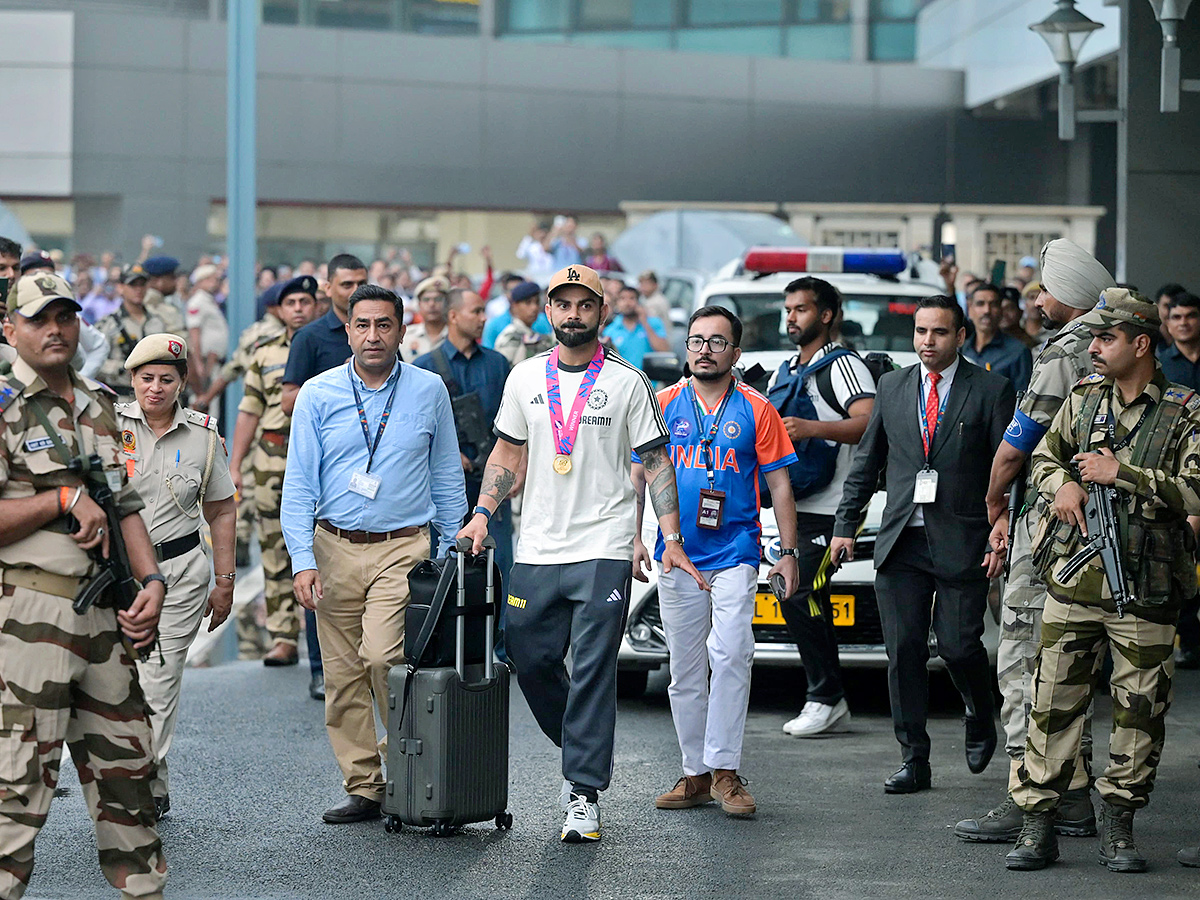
[
  {"x": 575, "y": 336},
  {"x": 807, "y": 336}
]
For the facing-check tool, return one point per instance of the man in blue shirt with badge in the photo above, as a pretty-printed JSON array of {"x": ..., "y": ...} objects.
[
  {"x": 371, "y": 499},
  {"x": 723, "y": 433},
  {"x": 632, "y": 332}
]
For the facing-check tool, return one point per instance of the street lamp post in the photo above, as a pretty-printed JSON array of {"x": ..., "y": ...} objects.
[
  {"x": 1065, "y": 30},
  {"x": 1170, "y": 13}
]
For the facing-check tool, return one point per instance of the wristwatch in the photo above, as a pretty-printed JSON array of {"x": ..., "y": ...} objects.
[
  {"x": 789, "y": 551},
  {"x": 154, "y": 577},
  {"x": 674, "y": 536}
]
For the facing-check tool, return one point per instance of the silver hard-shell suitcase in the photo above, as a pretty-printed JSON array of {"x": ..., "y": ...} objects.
[{"x": 447, "y": 758}]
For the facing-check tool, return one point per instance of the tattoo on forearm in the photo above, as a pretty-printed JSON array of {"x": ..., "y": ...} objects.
[
  {"x": 661, "y": 477},
  {"x": 497, "y": 482}
]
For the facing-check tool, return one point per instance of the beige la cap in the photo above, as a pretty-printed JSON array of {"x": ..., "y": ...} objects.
[
  {"x": 34, "y": 292},
  {"x": 157, "y": 348},
  {"x": 580, "y": 275}
]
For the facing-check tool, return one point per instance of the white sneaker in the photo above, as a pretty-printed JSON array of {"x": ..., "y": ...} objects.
[
  {"x": 564, "y": 795},
  {"x": 790, "y": 726},
  {"x": 820, "y": 718},
  {"x": 583, "y": 821}
]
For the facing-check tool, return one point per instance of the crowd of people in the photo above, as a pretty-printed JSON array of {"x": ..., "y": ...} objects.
[{"x": 388, "y": 411}]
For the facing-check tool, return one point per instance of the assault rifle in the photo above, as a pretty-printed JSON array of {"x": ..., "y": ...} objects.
[
  {"x": 1016, "y": 499},
  {"x": 115, "y": 582},
  {"x": 1104, "y": 540}
]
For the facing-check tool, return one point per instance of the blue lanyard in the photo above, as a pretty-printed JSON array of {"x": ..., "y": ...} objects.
[
  {"x": 362, "y": 414},
  {"x": 707, "y": 439}
]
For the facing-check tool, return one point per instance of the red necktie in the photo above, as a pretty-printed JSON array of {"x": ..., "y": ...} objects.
[{"x": 931, "y": 413}]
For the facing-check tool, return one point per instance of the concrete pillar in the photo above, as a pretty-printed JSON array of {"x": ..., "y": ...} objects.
[{"x": 1163, "y": 217}]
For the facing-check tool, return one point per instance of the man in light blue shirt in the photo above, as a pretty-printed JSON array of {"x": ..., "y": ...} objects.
[
  {"x": 634, "y": 333},
  {"x": 372, "y": 460}
]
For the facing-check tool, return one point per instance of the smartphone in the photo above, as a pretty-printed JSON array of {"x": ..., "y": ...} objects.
[
  {"x": 559, "y": 221},
  {"x": 948, "y": 253},
  {"x": 4, "y": 290},
  {"x": 463, "y": 248},
  {"x": 998, "y": 269},
  {"x": 778, "y": 587}
]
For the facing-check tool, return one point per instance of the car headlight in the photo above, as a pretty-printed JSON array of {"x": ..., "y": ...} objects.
[{"x": 771, "y": 550}]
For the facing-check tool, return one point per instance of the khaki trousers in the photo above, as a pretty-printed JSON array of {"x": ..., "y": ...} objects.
[
  {"x": 360, "y": 623},
  {"x": 161, "y": 676}
]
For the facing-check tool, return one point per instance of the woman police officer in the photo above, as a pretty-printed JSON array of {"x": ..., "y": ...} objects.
[{"x": 176, "y": 461}]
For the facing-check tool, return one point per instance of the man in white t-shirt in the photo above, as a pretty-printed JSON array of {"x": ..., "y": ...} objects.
[
  {"x": 842, "y": 392},
  {"x": 581, "y": 411}
]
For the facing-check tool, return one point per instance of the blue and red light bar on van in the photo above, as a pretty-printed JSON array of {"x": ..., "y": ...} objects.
[{"x": 815, "y": 260}]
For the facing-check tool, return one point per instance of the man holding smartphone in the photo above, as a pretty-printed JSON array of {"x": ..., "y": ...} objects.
[{"x": 723, "y": 432}]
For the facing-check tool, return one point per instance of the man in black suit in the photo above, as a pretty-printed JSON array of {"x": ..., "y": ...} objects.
[{"x": 936, "y": 425}]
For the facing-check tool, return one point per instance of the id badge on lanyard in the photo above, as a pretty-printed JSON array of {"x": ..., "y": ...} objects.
[
  {"x": 710, "y": 511},
  {"x": 926, "y": 482},
  {"x": 366, "y": 483}
]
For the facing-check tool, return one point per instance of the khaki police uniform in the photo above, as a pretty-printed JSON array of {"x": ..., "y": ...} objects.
[
  {"x": 123, "y": 332},
  {"x": 175, "y": 474},
  {"x": 1159, "y": 486},
  {"x": 204, "y": 314},
  {"x": 518, "y": 342},
  {"x": 64, "y": 677},
  {"x": 263, "y": 397}
]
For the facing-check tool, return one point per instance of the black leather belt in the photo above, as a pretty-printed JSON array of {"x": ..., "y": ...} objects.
[{"x": 171, "y": 549}]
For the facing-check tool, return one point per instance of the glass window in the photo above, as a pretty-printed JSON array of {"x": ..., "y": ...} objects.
[
  {"x": 822, "y": 10},
  {"x": 354, "y": 13},
  {"x": 633, "y": 38},
  {"x": 895, "y": 9},
  {"x": 442, "y": 16},
  {"x": 625, "y": 13},
  {"x": 818, "y": 41},
  {"x": 894, "y": 41},
  {"x": 734, "y": 12},
  {"x": 281, "y": 12},
  {"x": 536, "y": 15},
  {"x": 741, "y": 41}
]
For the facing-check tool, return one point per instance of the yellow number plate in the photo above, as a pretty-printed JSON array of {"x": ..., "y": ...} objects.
[{"x": 766, "y": 610}]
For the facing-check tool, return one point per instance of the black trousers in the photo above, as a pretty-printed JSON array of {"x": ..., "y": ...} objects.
[
  {"x": 905, "y": 585},
  {"x": 808, "y": 613},
  {"x": 1189, "y": 624}
]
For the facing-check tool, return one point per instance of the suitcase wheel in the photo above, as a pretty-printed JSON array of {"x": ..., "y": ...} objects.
[
  {"x": 442, "y": 829},
  {"x": 392, "y": 824},
  {"x": 504, "y": 821}
]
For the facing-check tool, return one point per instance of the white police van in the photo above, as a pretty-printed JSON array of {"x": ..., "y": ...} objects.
[{"x": 879, "y": 291}]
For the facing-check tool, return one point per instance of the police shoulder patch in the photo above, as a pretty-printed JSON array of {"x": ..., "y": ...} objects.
[
  {"x": 1094, "y": 378},
  {"x": 204, "y": 420}
]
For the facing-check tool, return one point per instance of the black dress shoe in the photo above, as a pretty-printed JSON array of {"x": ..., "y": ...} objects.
[
  {"x": 980, "y": 743},
  {"x": 316, "y": 687},
  {"x": 911, "y": 777},
  {"x": 353, "y": 809}
]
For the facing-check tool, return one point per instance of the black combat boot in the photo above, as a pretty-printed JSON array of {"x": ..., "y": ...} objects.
[
  {"x": 1037, "y": 844},
  {"x": 999, "y": 826},
  {"x": 1117, "y": 849},
  {"x": 1075, "y": 816}
]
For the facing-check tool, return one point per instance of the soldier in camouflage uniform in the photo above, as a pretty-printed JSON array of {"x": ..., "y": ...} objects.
[
  {"x": 1128, "y": 427},
  {"x": 132, "y": 321},
  {"x": 261, "y": 407},
  {"x": 64, "y": 677},
  {"x": 1072, "y": 282}
]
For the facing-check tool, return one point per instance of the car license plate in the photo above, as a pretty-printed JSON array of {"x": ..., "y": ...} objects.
[{"x": 767, "y": 612}]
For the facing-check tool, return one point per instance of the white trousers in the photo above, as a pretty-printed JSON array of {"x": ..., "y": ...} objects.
[
  {"x": 161, "y": 676},
  {"x": 709, "y": 633}
]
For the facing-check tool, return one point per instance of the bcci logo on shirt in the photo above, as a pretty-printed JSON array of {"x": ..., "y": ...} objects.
[
  {"x": 731, "y": 430},
  {"x": 597, "y": 399}
]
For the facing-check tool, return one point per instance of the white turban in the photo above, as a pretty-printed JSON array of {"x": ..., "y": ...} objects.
[{"x": 1071, "y": 275}]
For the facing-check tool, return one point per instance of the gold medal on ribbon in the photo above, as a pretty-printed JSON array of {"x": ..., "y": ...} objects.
[{"x": 562, "y": 464}]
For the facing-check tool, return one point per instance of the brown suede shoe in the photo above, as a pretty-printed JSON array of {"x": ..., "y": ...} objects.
[
  {"x": 282, "y": 654},
  {"x": 689, "y": 791},
  {"x": 730, "y": 789}
]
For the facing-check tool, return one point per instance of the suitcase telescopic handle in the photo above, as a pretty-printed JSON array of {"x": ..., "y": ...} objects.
[{"x": 464, "y": 546}]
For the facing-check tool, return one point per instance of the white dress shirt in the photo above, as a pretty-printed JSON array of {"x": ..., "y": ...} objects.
[{"x": 943, "y": 392}]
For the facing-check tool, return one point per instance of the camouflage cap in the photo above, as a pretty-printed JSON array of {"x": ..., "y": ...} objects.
[
  {"x": 32, "y": 293},
  {"x": 133, "y": 272},
  {"x": 1118, "y": 306},
  {"x": 163, "y": 348},
  {"x": 580, "y": 275}
]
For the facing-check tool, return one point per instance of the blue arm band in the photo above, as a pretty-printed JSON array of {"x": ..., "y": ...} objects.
[{"x": 1024, "y": 433}]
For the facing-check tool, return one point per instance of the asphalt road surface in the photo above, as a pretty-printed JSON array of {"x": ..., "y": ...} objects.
[{"x": 252, "y": 771}]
